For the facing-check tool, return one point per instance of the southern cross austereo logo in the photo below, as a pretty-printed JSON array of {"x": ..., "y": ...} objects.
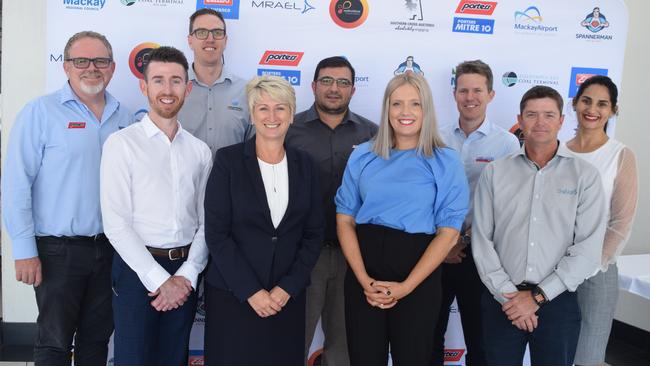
[
  {"x": 349, "y": 13},
  {"x": 579, "y": 75},
  {"x": 282, "y": 58},
  {"x": 474, "y": 25},
  {"x": 139, "y": 57},
  {"x": 228, "y": 8}
]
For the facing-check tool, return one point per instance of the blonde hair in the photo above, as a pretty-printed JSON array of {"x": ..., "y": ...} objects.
[
  {"x": 275, "y": 87},
  {"x": 429, "y": 136}
]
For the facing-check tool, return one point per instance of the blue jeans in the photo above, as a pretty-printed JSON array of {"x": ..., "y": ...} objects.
[
  {"x": 552, "y": 343},
  {"x": 144, "y": 336}
]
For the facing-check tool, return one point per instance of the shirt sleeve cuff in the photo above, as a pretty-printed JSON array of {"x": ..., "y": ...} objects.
[
  {"x": 155, "y": 278},
  {"x": 24, "y": 248},
  {"x": 508, "y": 288},
  {"x": 552, "y": 286},
  {"x": 188, "y": 271},
  {"x": 452, "y": 223}
]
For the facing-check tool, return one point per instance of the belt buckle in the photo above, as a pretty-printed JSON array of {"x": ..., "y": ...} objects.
[{"x": 175, "y": 258}]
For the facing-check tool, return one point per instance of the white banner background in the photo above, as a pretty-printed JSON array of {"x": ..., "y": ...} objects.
[{"x": 558, "y": 52}]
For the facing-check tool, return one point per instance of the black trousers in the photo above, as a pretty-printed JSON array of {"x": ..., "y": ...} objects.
[
  {"x": 74, "y": 300},
  {"x": 409, "y": 327},
  {"x": 462, "y": 282}
]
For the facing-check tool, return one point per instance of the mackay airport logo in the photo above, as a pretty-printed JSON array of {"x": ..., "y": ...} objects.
[
  {"x": 349, "y": 13},
  {"x": 411, "y": 17},
  {"x": 512, "y": 78},
  {"x": 292, "y": 6},
  {"x": 530, "y": 21},
  {"x": 579, "y": 75},
  {"x": 595, "y": 22},
  {"x": 281, "y": 58},
  {"x": 139, "y": 57},
  {"x": 474, "y": 25},
  {"x": 84, "y": 4},
  {"x": 228, "y": 8}
]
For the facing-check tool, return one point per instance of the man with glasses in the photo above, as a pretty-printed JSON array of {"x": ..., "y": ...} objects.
[
  {"x": 328, "y": 131},
  {"x": 50, "y": 202},
  {"x": 216, "y": 111}
]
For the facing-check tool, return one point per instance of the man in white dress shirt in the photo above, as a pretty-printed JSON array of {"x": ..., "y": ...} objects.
[{"x": 153, "y": 177}]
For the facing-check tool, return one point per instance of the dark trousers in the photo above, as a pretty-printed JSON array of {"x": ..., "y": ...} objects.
[
  {"x": 462, "y": 282},
  {"x": 552, "y": 343},
  {"x": 74, "y": 300},
  {"x": 143, "y": 335},
  {"x": 408, "y": 328}
]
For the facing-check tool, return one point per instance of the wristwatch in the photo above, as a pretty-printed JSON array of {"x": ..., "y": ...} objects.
[
  {"x": 539, "y": 297},
  {"x": 466, "y": 239}
]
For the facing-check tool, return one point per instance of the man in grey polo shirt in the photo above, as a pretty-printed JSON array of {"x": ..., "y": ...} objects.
[
  {"x": 216, "y": 110},
  {"x": 328, "y": 131},
  {"x": 538, "y": 230}
]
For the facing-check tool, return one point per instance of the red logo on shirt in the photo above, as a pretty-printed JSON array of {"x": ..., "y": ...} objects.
[
  {"x": 76, "y": 124},
  {"x": 452, "y": 355}
]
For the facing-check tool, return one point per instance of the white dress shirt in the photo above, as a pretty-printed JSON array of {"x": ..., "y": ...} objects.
[
  {"x": 276, "y": 186},
  {"x": 152, "y": 192}
]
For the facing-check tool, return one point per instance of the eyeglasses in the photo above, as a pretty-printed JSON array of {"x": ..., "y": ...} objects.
[
  {"x": 202, "y": 33},
  {"x": 341, "y": 83},
  {"x": 84, "y": 62}
]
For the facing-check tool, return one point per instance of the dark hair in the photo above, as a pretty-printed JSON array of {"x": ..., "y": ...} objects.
[
  {"x": 599, "y": 80},
  {"x": 335, "y": 61},
  {"x": 475, "y": 67},
  {"x": 540, "y": 92},
  {"x": 166, "y": 54},
  {"x": 205, "y": 11}
]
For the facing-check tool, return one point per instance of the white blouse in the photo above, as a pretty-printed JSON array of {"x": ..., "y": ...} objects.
[{"x": 276, "y": 186}]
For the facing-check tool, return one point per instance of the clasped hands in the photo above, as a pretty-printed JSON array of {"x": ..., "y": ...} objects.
[
  {"x": 385, "y": 294},
  {"x": 268, "y": 303},
  {"x": 520, "y": 309},
  {"x": 172, "y": 294}
]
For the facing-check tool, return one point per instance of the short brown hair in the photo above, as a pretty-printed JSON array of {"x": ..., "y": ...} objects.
[
  {"x": 205, "y": 11},
  {"x": 475, "y": 67},
  {"x": 541, "y": 92}
]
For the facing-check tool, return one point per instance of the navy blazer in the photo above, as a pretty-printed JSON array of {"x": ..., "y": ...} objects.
[{"x": 247, "y": 253}]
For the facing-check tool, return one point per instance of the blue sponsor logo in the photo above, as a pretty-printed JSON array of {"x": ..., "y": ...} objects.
[
  {"x": 84, "y": 4},
  {"x": 292, "y": 76},
  {"x": 579, "y": 75},
  {"x": 228, "y": 8},
  {"x": 473, "y": 25}
]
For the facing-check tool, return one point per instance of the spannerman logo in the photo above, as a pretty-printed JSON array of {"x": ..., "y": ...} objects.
[
  {"x": 476, "y": 7},
  {"x": 281, "y": 58}
]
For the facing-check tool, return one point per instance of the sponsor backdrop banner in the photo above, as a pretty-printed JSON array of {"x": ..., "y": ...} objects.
[{"x": 526, "y": 43}]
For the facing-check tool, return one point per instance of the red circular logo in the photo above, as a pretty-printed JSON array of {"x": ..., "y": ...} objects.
[{"x": 139, "y": 57}]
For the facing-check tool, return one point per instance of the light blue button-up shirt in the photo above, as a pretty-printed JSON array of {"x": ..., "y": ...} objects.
[{"x": 50, "y": 180}]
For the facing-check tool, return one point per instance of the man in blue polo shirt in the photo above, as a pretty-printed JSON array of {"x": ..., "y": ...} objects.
[{"x": 50, "y": 203}]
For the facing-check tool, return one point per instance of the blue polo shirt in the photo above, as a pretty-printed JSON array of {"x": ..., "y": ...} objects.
[
  {"x": 408, "y": 191},
  {"x": 50, "y": 179}
]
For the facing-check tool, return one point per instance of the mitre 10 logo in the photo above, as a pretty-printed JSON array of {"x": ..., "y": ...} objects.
[
  {"x": 281, "y": 58},
  {"x": 476, "y": 7}
]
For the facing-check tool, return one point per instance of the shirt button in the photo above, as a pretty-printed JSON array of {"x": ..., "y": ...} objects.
[
  {"x": 536, "y": 196},
  {"x": 209, "y": 108},
  {"x": 534, "y": 218},
  {"x": 532, "y": 244},
  {"x": 530, "y": 269}
]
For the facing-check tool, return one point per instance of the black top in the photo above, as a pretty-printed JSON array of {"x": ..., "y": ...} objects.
[{"x": 330, "y": 149}]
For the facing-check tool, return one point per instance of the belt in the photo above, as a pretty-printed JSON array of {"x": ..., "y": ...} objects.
[
  {"x": 172, "y": 254},
  {"x": 526, "y": 286},
  {"x": 76, "y": 238}
]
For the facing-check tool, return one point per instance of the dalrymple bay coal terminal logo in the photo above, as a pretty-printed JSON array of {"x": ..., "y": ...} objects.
[
  {"x": 349, "y": 13},
  {"x": 139, "y": 57}
]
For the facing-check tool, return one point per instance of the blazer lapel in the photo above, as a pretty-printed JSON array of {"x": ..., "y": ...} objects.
[
  {"x": 253, "y": 168},
  {"x": 294, "y": 182}
]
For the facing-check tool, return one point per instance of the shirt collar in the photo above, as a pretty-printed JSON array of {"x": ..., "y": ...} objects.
[
  {"x": 68, "y": 95},
  {"x": 312, "y": 115},
  {"x": 484, "y": 129},
  {"x": 150, "y": 128},
  {"x": 225, "y": 75}
]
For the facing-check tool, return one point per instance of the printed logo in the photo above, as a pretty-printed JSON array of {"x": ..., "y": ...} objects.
[
  {"x": 286, "y": 5},
  {"x": 315, "y": 359},
  {"x": 127, "y": 2},
  {"x": 412, "y": 18},
  {"x": 292, "y": 76},
  {"x": 511, "y": 78},
  {"x": 139, "y": 57},
  {"x": 476, "y": 7},
  {"x": 567, "y": 191},
  {"x": 454, "y": 355},
  {"x": 228, "y": 8},
  {"x": 281, "y": 58},
  {"x": 349, "y": 13},
  {"x": 408, "y": 67},
  {"x": 530, "y": 21},
  {"x": 473, "y": 25},
  {"x": 516, "y": 130},
  {"x": 84, "y": 4},
  {"x": 595, "y": 22},
  {"x": 484, "y": 159},
  {"x": 161, "y": 2},
  {"x": 76, "y": 124},
  {"x": 196, "y": 358},
  {"x": 579, "y": 75}
]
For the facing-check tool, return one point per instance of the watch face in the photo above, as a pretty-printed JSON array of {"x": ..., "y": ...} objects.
[{"x": 467, "y": 240}]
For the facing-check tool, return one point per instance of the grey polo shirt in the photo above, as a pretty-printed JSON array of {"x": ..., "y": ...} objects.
[
  {"x": 330, "y": 150},
  {"x": 217, "y": 114},
  {"x": 544, "y": 226}
]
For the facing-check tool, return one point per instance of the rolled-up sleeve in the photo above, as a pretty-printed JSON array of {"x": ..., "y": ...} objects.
[
  {"x": 452, "y": 197},
  {"x": 348, "y": 198}
]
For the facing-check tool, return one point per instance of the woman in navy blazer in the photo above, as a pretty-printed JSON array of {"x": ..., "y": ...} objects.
[{"x": 264, "y": 229}]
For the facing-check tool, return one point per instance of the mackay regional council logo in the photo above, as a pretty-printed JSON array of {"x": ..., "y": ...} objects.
[{"x": 349, "y": 13}]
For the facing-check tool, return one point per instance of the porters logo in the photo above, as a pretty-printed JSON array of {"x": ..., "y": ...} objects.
[
  {"x": 139, "y": 57},
  {"x": 579, "y": 75},
  {"x": 476, "y": 7},
  {"x": 84, "y": 4},
  {"x": 349, "y": 13},
  {"x": 228, "y": 8},
  {"x": 281, "y": 58},
  {"x": 454, "y": 355}
]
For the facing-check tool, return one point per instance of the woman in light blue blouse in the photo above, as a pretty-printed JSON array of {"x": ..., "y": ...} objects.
[{"x": 400, "y": 207}]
